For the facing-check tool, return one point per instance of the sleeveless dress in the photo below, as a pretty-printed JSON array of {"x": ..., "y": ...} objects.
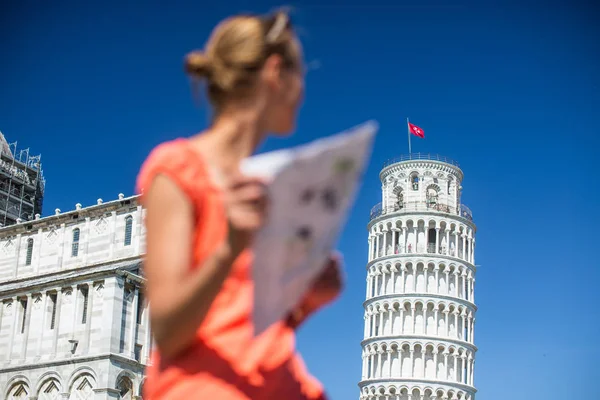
[{"x": 225, "y": 361}]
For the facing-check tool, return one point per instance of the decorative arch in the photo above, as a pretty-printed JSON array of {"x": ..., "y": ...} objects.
[
  {"x": 82, "y": 384},
  {"x": 19, "y": 391},
  {"x": 15, "y": 380},
  {"x": 124, "y": 384},
  {"x": 49, "y": 386},
  {"x": 432, "y": 194},
  {"x": 50, "y": 390}
]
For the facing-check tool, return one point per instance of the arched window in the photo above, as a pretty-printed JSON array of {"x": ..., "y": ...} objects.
[
  {"x": 82, "y": 388},
  {"x": 432, "y": 195},
  {"x": 128, "y": 229},
  {"x": 75, "y": 244},
  {"x": 125, "y": 388},
  {"x": 29, "y": 251},
  {"x": 414, "y": 179},
  {"x": 50, "y": 390},
  {"x": 19, "y": 391}
]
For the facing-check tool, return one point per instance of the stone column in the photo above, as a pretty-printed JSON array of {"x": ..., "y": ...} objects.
[
  {"x": 437, "y": 241},
  {"x": 455, "y": 357},
  {"x": 403, "y": 279},
  {"x": 456, "y": 283},
  {"x": 111, "y": 234},
  {"x": 447, "y": 273},
  {"x": 38, "y": 350},
  {"x": 25, "y": 338},
  {"x": 88, "y": 321},
  {"x": 17, "y": 255},
  {"x": 138, "y": 220},
  {"x": 364, "y": 365},
  {"x": 59, "y": 296},
  {"x": 446, "y": 373},
  {"x": 133, "y": 325},
  {"x": 112, "y": 312},
  {"x": 61, "y": 246},
  {"x": 86, "y": 240},
  {"x": 38, "y": 247},
  {"x": 447, "y": 321},
  {"x": 385, "y": 240},
  {"x": 435, "y": 361},
  {"x": 14, "y": 302}
]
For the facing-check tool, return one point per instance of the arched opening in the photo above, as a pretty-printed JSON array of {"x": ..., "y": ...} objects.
[
  {"x": 399, "y": 204},
  {"x": 125, "y": 388},
  {"x": 82, "y": 388},
  {"x": 431, "y": 240},
  {"x": 414, "y": 180},
  {"x": 19, "y": 391},
  {"x": 432, "y": 195},
  {"x": 50, "y": 390}
]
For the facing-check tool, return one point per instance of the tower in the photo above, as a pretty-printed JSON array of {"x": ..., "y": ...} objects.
[
  {"x": 21, "y": 184},
  {"x": 420, "y": 306}
]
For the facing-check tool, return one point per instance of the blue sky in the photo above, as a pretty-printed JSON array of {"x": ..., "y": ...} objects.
[{"x": 511, "y": 93}]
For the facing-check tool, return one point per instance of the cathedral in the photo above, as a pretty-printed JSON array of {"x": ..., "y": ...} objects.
[{"x": 73, "y": 320}]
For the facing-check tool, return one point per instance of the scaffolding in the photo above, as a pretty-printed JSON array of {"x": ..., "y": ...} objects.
[{"x": 22, "y": 184}]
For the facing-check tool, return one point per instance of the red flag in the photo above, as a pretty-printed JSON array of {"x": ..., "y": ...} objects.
[{"x": 415, "y": 130}]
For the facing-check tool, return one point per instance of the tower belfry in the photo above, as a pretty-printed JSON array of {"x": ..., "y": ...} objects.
[{"x": 420, "y": 306}]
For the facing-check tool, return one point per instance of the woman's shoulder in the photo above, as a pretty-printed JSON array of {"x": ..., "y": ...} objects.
[{"x": 176, "y": 160}]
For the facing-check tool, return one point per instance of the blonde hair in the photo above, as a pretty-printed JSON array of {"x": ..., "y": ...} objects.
[{"x": 237, "y": 49}]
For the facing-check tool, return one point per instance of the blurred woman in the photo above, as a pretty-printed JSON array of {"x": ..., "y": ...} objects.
[{"x": 202, "y": 214}]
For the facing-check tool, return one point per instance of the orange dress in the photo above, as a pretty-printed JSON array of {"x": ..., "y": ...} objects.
[{"x": 225, "y": 361}]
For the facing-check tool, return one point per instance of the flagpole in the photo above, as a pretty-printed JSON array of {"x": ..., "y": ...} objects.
[{"x": 408, "y": 130}]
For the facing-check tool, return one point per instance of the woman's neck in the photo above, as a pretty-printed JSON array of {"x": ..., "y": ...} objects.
[{"x": 231, "y": 139}]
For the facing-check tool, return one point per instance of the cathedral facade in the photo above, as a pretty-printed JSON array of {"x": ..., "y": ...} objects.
[{"x": 73, "y": 320}]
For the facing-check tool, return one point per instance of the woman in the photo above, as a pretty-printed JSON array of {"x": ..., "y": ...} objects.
[{"x": 201, "y": 217}]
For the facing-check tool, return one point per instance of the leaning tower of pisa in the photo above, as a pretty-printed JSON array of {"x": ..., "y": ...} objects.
[{"x": 420, "y": 305}]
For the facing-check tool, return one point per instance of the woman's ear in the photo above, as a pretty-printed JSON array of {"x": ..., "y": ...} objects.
[{"x": 271, "y": 71}]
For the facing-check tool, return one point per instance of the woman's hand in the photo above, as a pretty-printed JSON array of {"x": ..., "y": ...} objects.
[
  {"x": 324, "y": 290},
  {"x": 246, "y": 207}
]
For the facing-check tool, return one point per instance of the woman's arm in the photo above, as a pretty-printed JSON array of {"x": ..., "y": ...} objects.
[{"x": 179, "y": 297}]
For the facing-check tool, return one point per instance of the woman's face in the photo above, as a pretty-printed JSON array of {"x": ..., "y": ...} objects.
[{"x": 288, "y": 97}]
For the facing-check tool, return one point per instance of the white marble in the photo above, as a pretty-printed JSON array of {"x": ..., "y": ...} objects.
[
  {"x": 420, "y": 299},
  {"x": 72, "y": 322}
]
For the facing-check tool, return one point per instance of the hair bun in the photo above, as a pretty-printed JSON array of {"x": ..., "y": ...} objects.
[{"x": 198, "y": 65}]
